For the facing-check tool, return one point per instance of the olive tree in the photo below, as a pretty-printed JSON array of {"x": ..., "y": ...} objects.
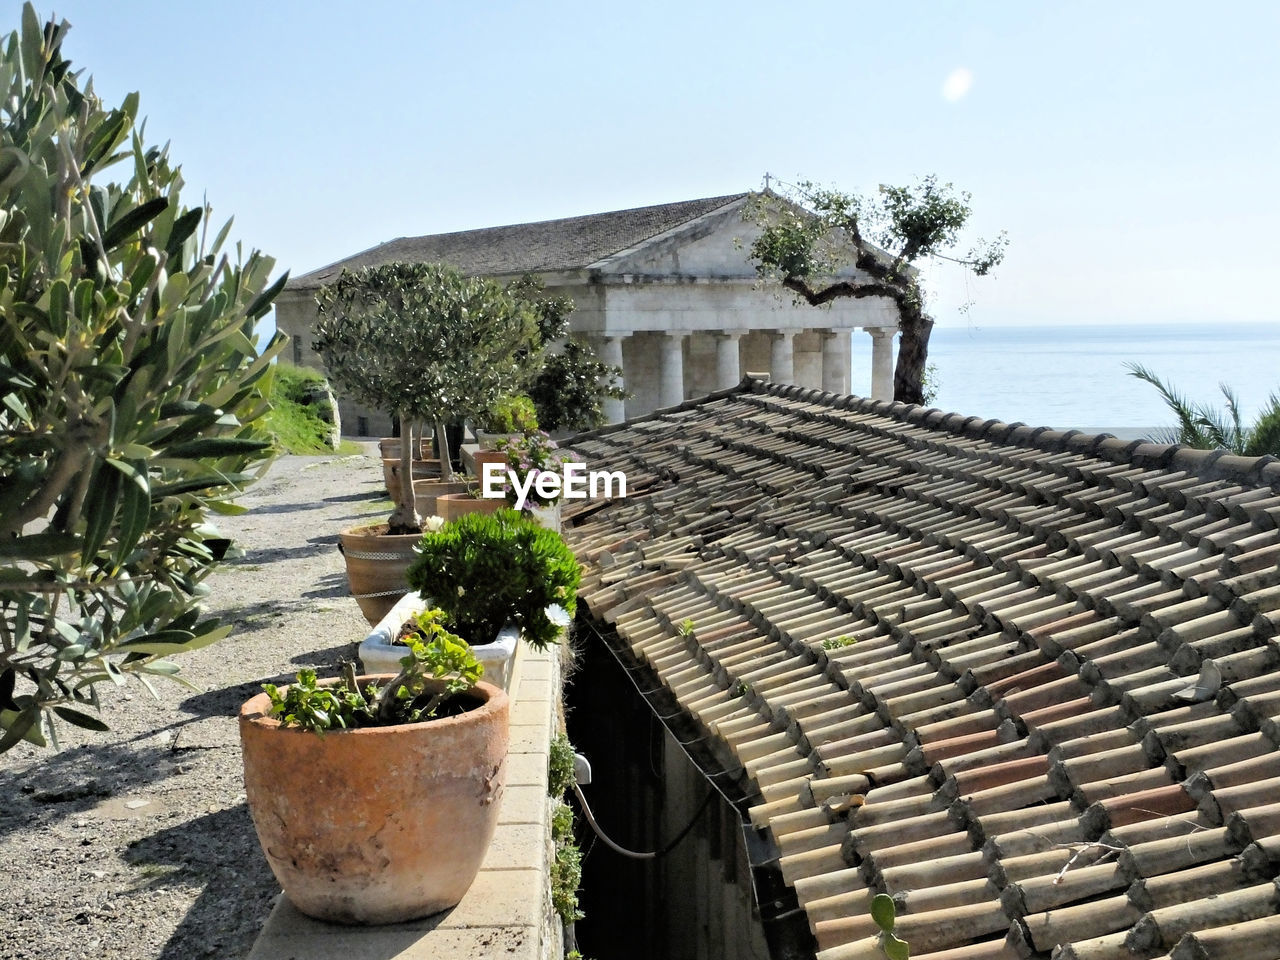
[
  {"x": 133, "y": 395},
  {"x": 811, "y": 236},
  {"x": 426, "y": 342}
]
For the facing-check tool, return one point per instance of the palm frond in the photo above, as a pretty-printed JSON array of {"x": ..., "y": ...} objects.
[
  {"x": 1264, "y": 438},
  {"x": 1237, "y": 436},
  {"x": 1222, "y": 428},
  {"x": 1205, "y": 427},
  {"x": 1168, "y": 435},
  {"x": 1189, "y": 430}
]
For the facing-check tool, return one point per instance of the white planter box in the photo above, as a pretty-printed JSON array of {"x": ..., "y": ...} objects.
[
  {"x": 379, "y": 654},
  {"x": 548, "y": 517}
]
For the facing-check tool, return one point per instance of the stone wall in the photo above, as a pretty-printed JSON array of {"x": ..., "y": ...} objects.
[{"x": 695, "y": 902}]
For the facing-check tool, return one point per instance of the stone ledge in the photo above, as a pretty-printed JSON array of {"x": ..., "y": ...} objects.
[
  {"x": 507, "y": 910},
  {"x": 516, "y": 943}
]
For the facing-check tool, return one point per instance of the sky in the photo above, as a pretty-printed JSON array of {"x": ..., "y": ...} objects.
[{"x": 1128, "y": 149}]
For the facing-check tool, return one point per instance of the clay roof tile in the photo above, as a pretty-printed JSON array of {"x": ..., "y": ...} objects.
[{"x": 1011, "y": 643}]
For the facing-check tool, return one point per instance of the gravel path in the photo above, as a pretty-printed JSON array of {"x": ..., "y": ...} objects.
[{"x": 137, "y": 843}]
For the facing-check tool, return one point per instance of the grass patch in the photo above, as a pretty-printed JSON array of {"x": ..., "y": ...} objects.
[{"x": 292, "y": 421}]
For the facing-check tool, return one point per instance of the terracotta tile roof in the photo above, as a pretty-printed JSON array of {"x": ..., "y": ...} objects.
[{"x": 1027, "y": 682}]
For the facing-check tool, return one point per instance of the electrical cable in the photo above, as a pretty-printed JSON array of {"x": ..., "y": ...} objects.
[
  {"x": 649, "y": 855},
  {"x": 775, "y": 901},
  {"x": 733, "y": 802}
]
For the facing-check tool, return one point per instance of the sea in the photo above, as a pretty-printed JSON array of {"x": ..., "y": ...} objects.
[{"x": 1074, "y": 377}]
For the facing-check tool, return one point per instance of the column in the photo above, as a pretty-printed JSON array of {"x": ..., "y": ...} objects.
[
  {"x": 609, "y": 351},
  {"x": 782, "y": 357},
  {"x": 728, "y": 365},
  {"x": 833, "y": 357},
  {"x": 671, "y": 382},
  {"x": 881, "y": 362}
]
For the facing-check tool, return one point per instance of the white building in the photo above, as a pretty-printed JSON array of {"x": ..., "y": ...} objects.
[{"x": 668, "y": 293}]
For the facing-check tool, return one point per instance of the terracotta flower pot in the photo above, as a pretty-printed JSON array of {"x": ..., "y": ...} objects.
[
  {"x": 453, "y": 505},
  {"x": 390, "y": 447},
  {"x": 376, "y": 565},
  {"x": 381, "y": 824},
  {"x": 422, "y": 470},
  {"x": 426, "y": 491},
  {"x": 489, "y": 441},
  {"x": 481, "y": 457}
]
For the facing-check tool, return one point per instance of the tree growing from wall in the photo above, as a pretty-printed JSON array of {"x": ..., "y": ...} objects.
[
  {"x": 812, "y": 234},
  {"x": 134, "y": 395},
  {"x": 424, "y": 341}
]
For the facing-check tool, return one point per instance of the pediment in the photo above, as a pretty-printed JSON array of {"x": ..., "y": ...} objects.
[{"x": 711, "y": 247}]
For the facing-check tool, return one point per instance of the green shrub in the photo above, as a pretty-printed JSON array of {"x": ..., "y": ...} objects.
[
  {"x": 134, "y": 392},
  {"x": 488, "y": 570},
  {"x": 572, "y": 386},
  {"x": 566, "y": 868},
  {"x": 512, "y": 414},
  {"x": 559, "y": 766},
  {"x": 569, "y": 386}
]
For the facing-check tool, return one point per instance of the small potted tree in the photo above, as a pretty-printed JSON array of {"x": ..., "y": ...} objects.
[{"x": 430, "y": 344}]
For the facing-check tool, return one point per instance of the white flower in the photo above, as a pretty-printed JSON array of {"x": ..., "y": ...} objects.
[
  {"x": 558, "y": 615},
  {"x": 433, "y": 524}
]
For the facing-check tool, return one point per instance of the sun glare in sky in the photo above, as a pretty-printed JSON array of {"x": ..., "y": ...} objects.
[{"x": 957, "y": 84}]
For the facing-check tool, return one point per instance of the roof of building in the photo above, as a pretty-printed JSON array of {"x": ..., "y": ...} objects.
[
  {"x": 570, "y": 243},
  {"x": 1025, "y": 681}
]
